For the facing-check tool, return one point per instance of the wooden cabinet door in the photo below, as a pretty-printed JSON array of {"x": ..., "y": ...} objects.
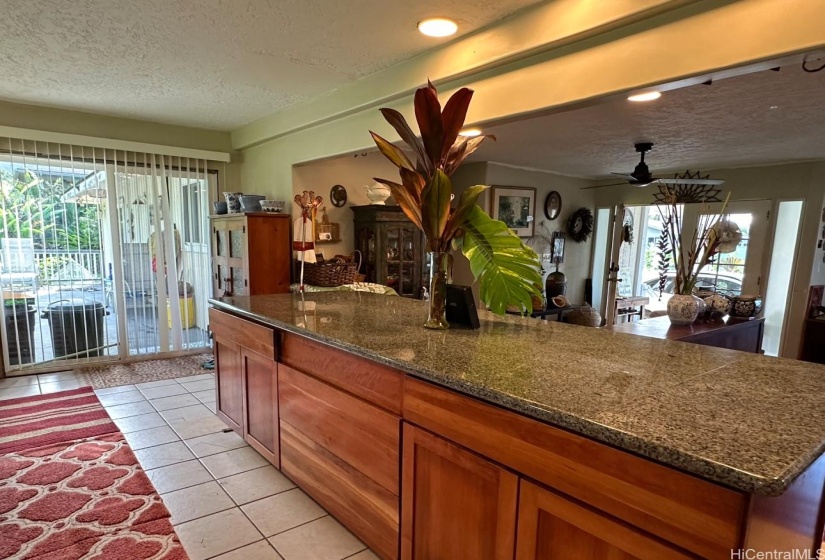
[
  {"x": 229, "y": 256},
  {"x": 553, "y": 526},
  {"x": 261, "y": 396},
  {"x": 229, "y": 384},
  {"x": 456, "y": 505}
]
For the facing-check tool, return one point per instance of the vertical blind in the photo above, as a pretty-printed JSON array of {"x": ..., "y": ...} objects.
[{"x": 104, "y": 253}]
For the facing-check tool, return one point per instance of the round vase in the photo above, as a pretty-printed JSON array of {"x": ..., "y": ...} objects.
[
  {"x": 683, "y": 310},
  {"x": 555, "y": 285}
]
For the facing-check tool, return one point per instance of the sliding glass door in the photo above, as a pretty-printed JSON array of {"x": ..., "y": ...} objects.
[{"x": 103, "y": 255}]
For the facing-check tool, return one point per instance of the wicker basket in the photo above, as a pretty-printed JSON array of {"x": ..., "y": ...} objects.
[
  {"x": 585, "y": 317},
  {"x": 336, "y": 272}
]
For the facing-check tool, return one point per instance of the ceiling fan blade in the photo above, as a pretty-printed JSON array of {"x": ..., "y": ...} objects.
[
  {"x": 627, "y": 176},
  {"x": 713, "y": 182},
  {"x": 603, "y": 186}
]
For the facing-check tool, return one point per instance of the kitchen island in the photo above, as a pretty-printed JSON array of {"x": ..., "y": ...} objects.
[{"x": 523, "y": 439}]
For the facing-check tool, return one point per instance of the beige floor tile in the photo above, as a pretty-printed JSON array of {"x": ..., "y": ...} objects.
[
  {"x": 283, "y": 511},
  {"x": 255, "y": 484},
  {"x": 324, "y": 539},
  {"x": 124, "y": 397},
  {"x": 140, "y": 422},
  {"x": 187, "y": 413},
  {"x": 162, "y": 455},
  {"x": 178, "y": 476},
  {"x": 177, "y": 401},
  {"x": 131, "y": 409},
  {"x": 196, "y": 501},
  {"x": 56, "y": 376},
  {"x": 260, "y": 550},
  {"x": 16, "y": 392},
  {"x": 196, "y": 428},
  {"x": 206, "y": 396},
  {"x": 364, "y": 555},
  {"x": 61, "y": 385},
  {"x": 193, "y": 378},
  {"x": 233, "y": 462},
  {"x": 211, "y": 444},
  {"x": 118, "y": 389},
  {"x": 159, "y": 383},
  {"x": 163, "y": 391},
  {"x": 151, "y": 437},
  {"x": 195, "y": 386},
  {"x": 217, "y": 533},
  {"x": 23, "y": 381}
]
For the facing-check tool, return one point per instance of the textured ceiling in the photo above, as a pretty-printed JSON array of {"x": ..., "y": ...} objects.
[
  {"x": 210, "y": 63},
  {"x": 727, "y": 124}
]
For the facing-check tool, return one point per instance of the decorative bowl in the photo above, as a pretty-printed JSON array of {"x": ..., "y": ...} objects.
[
  {"x": 220, "y": 207},
  {"x": 746, "y": 306},
  {"x": 274, "y": 206},
  {"x": 251, "y": 202}
]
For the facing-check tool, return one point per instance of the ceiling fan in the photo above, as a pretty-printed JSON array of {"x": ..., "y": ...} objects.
[{"x": 642, "y": 177}]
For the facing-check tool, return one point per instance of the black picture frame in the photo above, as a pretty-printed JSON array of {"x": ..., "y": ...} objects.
[
  {"x": 552, "y": 205},
  {"x": 338, "y": 196},
  {"x": 461, "y": 307}
]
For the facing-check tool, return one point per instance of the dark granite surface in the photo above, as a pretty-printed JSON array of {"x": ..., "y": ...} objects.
[{"x": 747, "y": 421}]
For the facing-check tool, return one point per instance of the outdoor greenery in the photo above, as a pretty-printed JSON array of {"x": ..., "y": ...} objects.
[{"x": 31, "y": 206}]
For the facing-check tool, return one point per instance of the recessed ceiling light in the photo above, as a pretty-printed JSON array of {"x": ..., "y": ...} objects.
[
  {"x": 647, "y": 96},
  {"x": 437, "y": 27},
  {"x": 772, "y": 107},
  {"x": 470, "y": 132}
]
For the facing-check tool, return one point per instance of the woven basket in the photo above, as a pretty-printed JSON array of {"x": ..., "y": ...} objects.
[
  {"x": 337, "y": 272},
  {"x": 585, "y": 317}
]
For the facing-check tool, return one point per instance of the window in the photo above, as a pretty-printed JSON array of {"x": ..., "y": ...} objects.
[{"x": 194, "y": 200}]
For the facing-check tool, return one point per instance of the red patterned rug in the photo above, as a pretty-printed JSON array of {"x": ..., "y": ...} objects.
[{"x": 77, "y": 498}]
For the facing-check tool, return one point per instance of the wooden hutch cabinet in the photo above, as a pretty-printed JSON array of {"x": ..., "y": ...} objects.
[
  {"x": 392, "y": 248},
  {"x": 251, "y": 254}
]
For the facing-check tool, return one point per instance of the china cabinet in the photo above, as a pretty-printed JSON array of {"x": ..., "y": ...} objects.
[
  {"x": 392, "y": 248},
  {"x": 250, "y": 254}
]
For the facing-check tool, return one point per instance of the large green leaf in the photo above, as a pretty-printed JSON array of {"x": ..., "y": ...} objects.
[{"x": 506, "y": 269}]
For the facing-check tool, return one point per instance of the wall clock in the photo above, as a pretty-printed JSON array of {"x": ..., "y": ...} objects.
[
  {"x": 338, "y": 196},
  {"x": 580, "y": 225},
  {"x": 552, "y": 205}
]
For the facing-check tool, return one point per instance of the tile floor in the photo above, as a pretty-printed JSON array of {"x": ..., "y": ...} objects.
[{"x": 227, "y": 502}]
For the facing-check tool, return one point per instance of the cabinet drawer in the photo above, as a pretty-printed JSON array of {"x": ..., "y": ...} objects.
[
  {"x": 362, "y": 435},
  {"x": 371, "y": 381},
  {"x": 242, "y": 332},
  {"x": 366, "y": 508},
  {"x": 694, "y": 514}
]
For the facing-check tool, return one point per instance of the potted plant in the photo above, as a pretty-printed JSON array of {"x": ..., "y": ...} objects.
[
  {"x": 506, "y": 269},
  {"x": 688, "y": 260}
]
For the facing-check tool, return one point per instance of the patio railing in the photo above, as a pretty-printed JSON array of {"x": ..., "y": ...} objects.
[{"x": 69, "y": 265}]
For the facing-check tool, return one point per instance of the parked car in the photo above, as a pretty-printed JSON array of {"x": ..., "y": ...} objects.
[{"x": 726, "y": 283}]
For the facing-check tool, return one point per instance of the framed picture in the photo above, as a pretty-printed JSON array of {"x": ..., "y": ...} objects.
[
  {"x": 557, "y": 250},
  {"x": 516, "y": 207},
  {"x": 552, "y": 205}
]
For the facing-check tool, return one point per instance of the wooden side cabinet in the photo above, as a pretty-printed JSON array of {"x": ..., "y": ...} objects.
[
  {"x": 553, "y": 526},
  {"x": 455, "y": 504},
  {"x": 251, "y": 254}
]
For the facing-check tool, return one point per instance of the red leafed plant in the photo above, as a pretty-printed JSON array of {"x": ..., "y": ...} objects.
[{"x": 506, "y": 269}]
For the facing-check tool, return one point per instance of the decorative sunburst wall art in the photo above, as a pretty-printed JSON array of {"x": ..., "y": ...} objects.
[{"x": 687, "y": 192}]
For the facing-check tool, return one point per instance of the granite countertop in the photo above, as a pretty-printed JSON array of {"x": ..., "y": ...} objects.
[{"x": 750, "y": 422}]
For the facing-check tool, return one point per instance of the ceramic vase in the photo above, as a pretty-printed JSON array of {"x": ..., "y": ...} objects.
[
  {"x": 683, "y": 310},
  {"x": 233, "y": 202},
  {"x": 439, "y": 268}
]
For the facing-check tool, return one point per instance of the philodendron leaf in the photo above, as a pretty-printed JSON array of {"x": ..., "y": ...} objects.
[
  {"x": 435, "y": 208},
  {"x": 506, "y": 269}
]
